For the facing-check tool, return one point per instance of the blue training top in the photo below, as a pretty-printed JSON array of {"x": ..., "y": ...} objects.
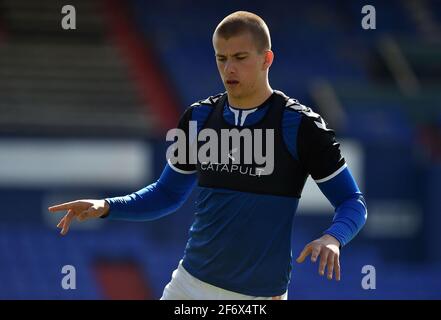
[{"x": 241, "y": 237}]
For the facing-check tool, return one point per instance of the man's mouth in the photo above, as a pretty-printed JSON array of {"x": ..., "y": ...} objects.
[{"x": 232, "y": 82}]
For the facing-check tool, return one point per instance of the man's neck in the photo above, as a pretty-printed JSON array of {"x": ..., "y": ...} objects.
[{"x": 252, "y": 101}]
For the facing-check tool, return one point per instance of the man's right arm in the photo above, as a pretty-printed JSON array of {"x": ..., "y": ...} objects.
[
  {"x": 156, "y": 200},
  {"x": 152, "y": 202}
]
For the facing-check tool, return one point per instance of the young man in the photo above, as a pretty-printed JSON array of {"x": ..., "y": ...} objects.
[{"x": 240, "y": 241}]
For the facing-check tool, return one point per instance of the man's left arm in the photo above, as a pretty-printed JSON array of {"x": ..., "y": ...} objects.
[
  {"x": 350, "y": 216},
  {"x": 320, "y": 154}
]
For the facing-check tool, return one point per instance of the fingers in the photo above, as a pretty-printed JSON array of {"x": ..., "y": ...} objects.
[
  {"x": 330, "y": 265},
  {"x": 337, "y": 268},
  {"x": 61, "y": 223},
  {"x": 315, "y": 253},
  {"x": 80, "y": 209},
  {"x": 323, "y": 262},
  {"x": 305, "y": 252},
  {"x": 309, "y": 249},
  {"x": 67, "y": 221},
  {"x": 329, "y": 259},
  {"x": 63, "y": 206}
]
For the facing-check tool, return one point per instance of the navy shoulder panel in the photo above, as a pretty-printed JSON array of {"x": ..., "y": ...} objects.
[
  {"x": 210, "y": 101},
  {"x": 201, "y": 110}
]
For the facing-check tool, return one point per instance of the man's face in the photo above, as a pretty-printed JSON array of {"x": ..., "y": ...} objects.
[{"x": 243, "y": 70}]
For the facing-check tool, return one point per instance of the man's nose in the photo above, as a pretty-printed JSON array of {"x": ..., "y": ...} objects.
[{"x": 229, "y": 67}]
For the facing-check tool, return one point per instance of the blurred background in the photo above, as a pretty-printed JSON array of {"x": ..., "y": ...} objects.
[{"x": 84, "y": 112}]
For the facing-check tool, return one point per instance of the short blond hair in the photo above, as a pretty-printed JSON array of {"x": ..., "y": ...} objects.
[{"x": 240, "y": 22}]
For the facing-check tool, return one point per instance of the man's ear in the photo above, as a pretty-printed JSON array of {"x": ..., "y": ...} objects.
[{"x": 268, "y": 59}]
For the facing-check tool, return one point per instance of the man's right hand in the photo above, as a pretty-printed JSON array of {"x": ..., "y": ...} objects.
[{"x": 80, "y": 209}]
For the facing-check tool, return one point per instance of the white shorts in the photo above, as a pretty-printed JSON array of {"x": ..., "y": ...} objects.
[{"x": 183, "y": 286}]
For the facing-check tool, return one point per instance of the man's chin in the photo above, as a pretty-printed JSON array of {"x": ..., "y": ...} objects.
[{"x": 233, "y": 93}]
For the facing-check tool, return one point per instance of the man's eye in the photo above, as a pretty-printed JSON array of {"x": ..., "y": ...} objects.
[
  {"x": 221, "y": 59},
  {"x": 240, "y": 58}
]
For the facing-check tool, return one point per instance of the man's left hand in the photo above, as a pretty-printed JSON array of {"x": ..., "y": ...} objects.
[{"x": 328, "y": 248}]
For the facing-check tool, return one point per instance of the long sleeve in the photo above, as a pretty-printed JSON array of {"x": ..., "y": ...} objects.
[
  {"x": 154, "y": 201},
  {"x": 350, "y": 206}
]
